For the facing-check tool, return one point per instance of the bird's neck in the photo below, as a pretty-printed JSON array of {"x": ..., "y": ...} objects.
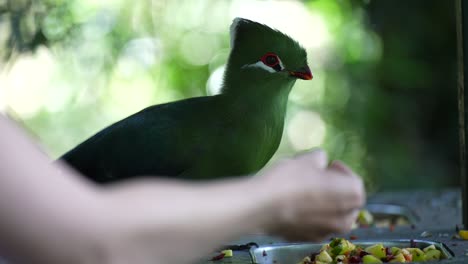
[{"x": 261, "y": 103}]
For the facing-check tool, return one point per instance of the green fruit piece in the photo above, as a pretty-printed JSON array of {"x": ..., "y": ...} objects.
[
  {"x": 227, "y": 253},
  {"x": 370, "y": 259},
  {"x": 324, "y": 257},
  {"x": 433, "y": 254},
  {"x": 365, "y": 217},
  {"x": 407, "y": 255},
  {"x": 340, "y": 258},
  {"x": 418, "y": 254},
  {"x": 335, "y": 242},
  {"x": 431, "y": 247},
  {"x": 326, "y": 247},
  {"x": 376, "y": 250},
  {"x": 348, "y": 246},
  {"x": 320, "y": 262},
  {"x": 398, "y": 258},
  {"x": 341, "y": 246},
  {"x": 337, "y": 250},
  {"x": 395, "y": 250}
]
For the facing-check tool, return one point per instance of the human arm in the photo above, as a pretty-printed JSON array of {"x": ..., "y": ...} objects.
[{"x": 51, "y": 215}]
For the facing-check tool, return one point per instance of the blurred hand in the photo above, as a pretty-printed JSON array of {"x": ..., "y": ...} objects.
[{"x": 310, "y": 200}]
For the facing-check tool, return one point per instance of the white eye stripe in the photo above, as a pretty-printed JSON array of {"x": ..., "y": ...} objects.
[{"x": 261, "y": 65}]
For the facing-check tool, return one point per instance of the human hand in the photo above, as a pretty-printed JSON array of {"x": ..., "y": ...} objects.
[{"x": 308, "y": 199}]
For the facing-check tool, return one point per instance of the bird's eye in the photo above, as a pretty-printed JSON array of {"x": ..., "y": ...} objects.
[
  {"x": 270, "y": 59},
  {"x": 273, "y": 61}
]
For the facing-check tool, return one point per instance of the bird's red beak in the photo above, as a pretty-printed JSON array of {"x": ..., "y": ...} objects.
[{"x": 304, "y": 73}]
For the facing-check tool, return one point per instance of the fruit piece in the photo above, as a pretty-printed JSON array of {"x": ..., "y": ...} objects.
[
  {"x": 337, "y": 250},
  {"x": 395, "y": 250},
  {"x": 320, "y": 262},
  {"x": 398, "y": 258},
  {"x": 431, "y": 247},
  {"x": 365, "y": 217},
  {"x": 463, "y": 234},
  {"x": 324, "y": 257},
  {"x": 326, "y": 247},
  {"x": 418, "y": 254},
  {"x": 347, "y": 247},
  {"x": 407, "y": 255},
  {"x": 340, "y": 258},
  {"x": 433, "y": 254},
  {"x": 339, "y": 246},
  {"x": 335, "y": 242},
  {"x": 377, "y": 250},
  {"x": 370, "y": 259},
  {"x": 227, "y": 253}
]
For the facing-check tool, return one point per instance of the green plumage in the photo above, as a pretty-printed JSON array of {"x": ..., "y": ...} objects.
[{"x": 234, "y": 133}]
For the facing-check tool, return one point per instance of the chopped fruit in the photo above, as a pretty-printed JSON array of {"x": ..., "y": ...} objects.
[
  {"x": 340, "y": 258},
  {"x": 433, "y": 254},
  {"x": 340, "y": 246},
  {"x": 306, "y": 260},
  {"x": 227, "y": 253},
  {"x": 326, "y": 247},
  {"x": 342, "y": 251},
  {"x": 370, "y": 259},
  {"x": 377, "y": 250},
  {"x": 395, "y": 250},
  {"x": 431, "y": 247},
  {"x": 324, "y": 257},
  {"x": 407, "y": 255},
  {"x": 365, "y": 217},
  {"x": 398, "y": 258},
  {"x": 418, "y": 254},
  {"x": 463, "y": 234}
]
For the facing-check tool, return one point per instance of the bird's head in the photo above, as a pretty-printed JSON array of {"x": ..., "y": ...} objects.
[{"x": 262, "y": 57}]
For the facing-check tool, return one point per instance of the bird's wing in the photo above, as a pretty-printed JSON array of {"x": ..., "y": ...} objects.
[{"x": 159, "y": 140}]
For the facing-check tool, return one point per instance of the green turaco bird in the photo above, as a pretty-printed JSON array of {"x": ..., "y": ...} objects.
[{"x": 233, "y": 133}]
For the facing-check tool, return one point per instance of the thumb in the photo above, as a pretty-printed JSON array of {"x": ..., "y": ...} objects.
[{"x": 317, "y": 157}]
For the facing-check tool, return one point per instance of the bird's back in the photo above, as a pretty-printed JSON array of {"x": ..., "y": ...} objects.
[{"x": 153, "y": 141}]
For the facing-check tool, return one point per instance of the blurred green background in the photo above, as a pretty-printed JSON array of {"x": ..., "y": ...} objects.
[{"x": 383, "y": 97}]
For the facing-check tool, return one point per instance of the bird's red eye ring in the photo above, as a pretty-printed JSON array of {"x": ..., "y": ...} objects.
[{"x": 270, "y": 59}]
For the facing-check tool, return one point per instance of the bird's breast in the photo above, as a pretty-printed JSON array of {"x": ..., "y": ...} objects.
[{"x": 257, "y": 143}]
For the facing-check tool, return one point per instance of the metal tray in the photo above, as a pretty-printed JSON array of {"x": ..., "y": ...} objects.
[{"x": 292, "y": 253}]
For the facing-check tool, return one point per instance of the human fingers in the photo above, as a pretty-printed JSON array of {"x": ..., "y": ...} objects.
[
  {"x": 339, "y": 166},
  {"x": 347, "y": 182},
  {"x": 317, "y": 157}
]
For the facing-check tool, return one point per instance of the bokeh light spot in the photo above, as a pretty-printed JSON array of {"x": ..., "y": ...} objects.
[
  {"x": 308, "y": 93},
  {"x": 27, "y": 82},
  {"x": 306, "y": 130},
  {"x": 298, "y": 19},
  {"x": 198, "y": 48}
]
